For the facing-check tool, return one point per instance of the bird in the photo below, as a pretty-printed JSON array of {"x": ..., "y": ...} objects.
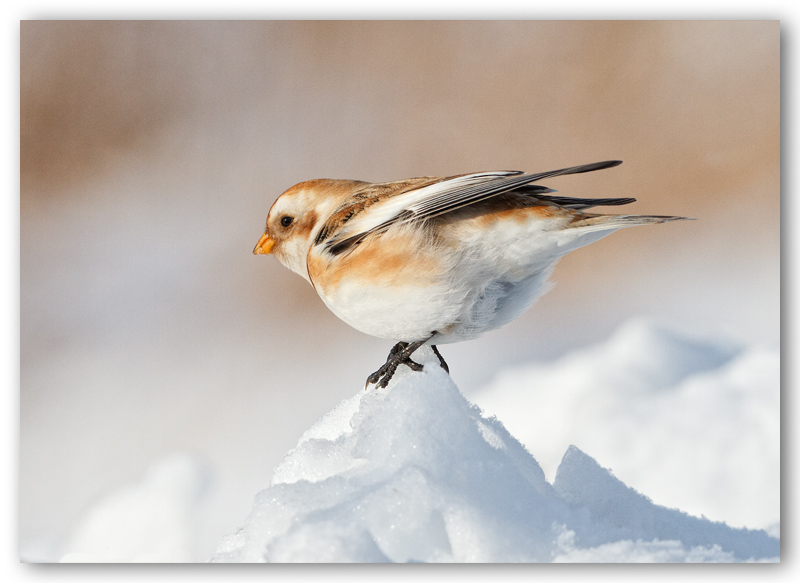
[{"x": 431, "y": 260}]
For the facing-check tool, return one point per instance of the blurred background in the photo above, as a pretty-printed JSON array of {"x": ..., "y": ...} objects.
[{"x": 152, "y": 151}]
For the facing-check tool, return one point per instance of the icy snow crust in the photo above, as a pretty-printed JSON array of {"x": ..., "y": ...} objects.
[{"x": 416, "y": 473}]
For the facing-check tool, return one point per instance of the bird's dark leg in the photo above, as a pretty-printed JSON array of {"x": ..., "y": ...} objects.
[
  {"x": 441, "y": 359},
  {"x": 400, "y": 354},
  {"x": 395, "y": 349}
]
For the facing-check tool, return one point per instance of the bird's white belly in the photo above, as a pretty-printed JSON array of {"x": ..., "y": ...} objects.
[
  {"x": 413, "y": 313},
  {"x": 405, "y": 313}
]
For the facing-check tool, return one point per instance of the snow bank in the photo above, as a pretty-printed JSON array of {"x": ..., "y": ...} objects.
[
  {"x": 695, "y": 423},
  {"x": 153, "y": 521},
  {"x": 416, "y": 473}
]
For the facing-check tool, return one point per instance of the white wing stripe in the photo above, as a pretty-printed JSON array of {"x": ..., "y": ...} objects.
[{"x": 392, "y": 207}]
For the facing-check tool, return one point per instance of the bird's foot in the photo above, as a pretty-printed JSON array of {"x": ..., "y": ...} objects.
[{"x": 400, "y": 354}]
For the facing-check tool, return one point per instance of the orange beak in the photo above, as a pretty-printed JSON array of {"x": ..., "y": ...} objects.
[{"x": 264, "y": 245}]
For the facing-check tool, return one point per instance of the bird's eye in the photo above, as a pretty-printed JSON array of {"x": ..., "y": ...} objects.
[{"x": 286, "y": 221}]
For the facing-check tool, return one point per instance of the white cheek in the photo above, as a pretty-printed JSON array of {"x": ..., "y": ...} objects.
[{"x": 293, "y": 255}]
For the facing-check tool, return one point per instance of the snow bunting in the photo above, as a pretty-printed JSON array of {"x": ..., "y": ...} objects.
[{"x": 433, "y": 260}]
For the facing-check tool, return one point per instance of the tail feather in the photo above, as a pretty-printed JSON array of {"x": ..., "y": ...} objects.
[
  {"x": 610, "y": 222},
  {"x": 576, "y": 203}
]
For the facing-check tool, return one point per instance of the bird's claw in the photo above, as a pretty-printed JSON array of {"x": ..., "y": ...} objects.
[
  {"x": 384, "y": 374},
  {"x": 400, "y": 354}
]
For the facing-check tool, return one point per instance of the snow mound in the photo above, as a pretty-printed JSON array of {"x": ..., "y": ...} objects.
[
  {"x": 693, "y": 422},
  {"x": 415, "y": 473},
  {"x": 153, "y": 521}
]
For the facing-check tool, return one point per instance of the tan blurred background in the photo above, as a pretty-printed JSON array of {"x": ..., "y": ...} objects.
[{"x": 151, "y": 152}]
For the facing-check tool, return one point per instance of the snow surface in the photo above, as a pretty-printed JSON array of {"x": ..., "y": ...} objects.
[
  {"x": 693, "y": 422},
  {"x": 416, "y": 473},
  {"x": 154, "y": 521}
]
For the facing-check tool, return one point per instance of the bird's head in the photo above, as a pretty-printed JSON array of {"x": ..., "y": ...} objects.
[{"x": 296, "y": 217}]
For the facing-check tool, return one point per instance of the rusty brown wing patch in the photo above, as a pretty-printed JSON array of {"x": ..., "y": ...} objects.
[{"x": 364, "y": 198}]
